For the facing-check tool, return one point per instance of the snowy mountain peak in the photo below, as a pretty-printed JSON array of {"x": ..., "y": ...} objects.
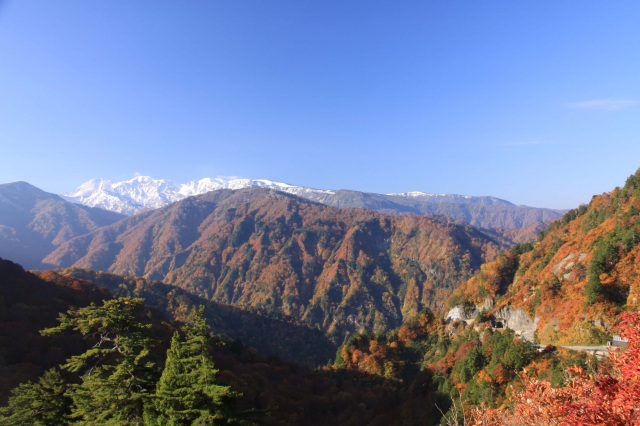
[
  {"x": 145, "y": 193},
  {"x": 89, "y": 187},
  {"x": 127, "y": 197}
]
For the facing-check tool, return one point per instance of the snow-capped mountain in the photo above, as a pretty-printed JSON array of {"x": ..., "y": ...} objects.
[
  {"x": 145, "y": 193},
  {"x": 127, "y": 197}
]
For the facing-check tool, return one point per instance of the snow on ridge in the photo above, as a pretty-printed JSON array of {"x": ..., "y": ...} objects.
[
  {"x": 144, "y": 192},
  {"x": 89, "y": 187},
  {"x": 424, "y": 194},
  {"x": 453, "y": 198},
  {"x": 127, "y": 197}
]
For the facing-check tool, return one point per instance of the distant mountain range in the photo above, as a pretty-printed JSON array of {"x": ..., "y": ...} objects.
[
  {"x": 296, "y": 278},
  {"x": 145, "y": 193},
  {"x": 34, "y": 222}
]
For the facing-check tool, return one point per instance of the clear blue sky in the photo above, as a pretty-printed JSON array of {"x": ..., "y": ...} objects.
[{"x": 537, "y": 102}]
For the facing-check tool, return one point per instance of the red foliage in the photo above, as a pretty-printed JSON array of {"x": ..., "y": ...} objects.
[{"x": 610, "y": 398}]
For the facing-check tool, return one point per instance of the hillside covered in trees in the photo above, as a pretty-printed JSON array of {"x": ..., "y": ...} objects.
[
  {"x": 340, "y": 270},
  {"x": 425, "y": 372},
  {"x": 115, "y": 361},
  {"x": 27, "y": 305},
  {"x": 403, "y": 377},
  {"x": 580, "y": 275},
  {"x": 282, "y": 337},
  {"x": 578, "y": 280},
  {"x": 34, "y": 222}
]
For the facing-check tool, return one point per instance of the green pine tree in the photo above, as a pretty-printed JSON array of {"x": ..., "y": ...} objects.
[
  {"x": 38, "y": 404},
  {"x": 117, "y": 376},
  {"x": 187, "y": 392}
]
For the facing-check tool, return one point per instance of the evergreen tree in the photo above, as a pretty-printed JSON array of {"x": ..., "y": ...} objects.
[
  {"x": 116, "y": 373},
  {"x": 466, "y": 368},
  {"x": 187, "y": 392},
  {"x": 38, "y": 404},
  {"x": 604, "y": 258},
  {"x": 518, "y": 354}
]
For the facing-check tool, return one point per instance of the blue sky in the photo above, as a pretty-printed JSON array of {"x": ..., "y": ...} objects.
[{"x": 537, "y": 102}]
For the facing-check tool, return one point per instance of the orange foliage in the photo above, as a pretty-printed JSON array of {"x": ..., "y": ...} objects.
[
  {"x": 608, "y": 398},
  {"x": 341, "y": 271},
  {"x": 555, "y": 277}
]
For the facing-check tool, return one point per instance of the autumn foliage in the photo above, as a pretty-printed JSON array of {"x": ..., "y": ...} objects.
[
  {"x": 277, "y": 392},
  {"x": 338, "y": 270},
  {"x": 609, "y": 397},
  {"x": 580, "y": 275}
]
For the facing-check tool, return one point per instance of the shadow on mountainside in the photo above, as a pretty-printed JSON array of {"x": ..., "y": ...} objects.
[
  {"x": 278, "y": 392},
  {"x": 29, "y": 304},
  {"x": 283, "y": 338}
]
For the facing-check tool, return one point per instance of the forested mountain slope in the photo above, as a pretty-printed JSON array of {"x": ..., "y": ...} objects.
[
  {"x": 341, "y": 270},
  {"x": 271, "y": 391},
  {"x": 582, "y": 273},
  {"x": 33, "y": 222},
  {"x": 285, "y": 338},
  {"x": 28, "y": 304}
]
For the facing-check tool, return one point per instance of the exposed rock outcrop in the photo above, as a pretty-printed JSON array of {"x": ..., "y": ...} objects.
[
  {"x": 506, "y": 317},
  {"x": 517, "y": 320},
  {"x": 466, "y": 314}
]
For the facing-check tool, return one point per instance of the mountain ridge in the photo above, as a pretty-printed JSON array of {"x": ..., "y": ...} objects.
[
  {"x": 144, "y": 193},
  {"x": 33, "y": 222},
  {"x": 336, "y": 269}
]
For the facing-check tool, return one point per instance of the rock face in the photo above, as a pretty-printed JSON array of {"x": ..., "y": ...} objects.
[
  {"x": 517, "y": 320},
  {"x": 468, "y": 315},
  {"x": 506, "y": 317}
]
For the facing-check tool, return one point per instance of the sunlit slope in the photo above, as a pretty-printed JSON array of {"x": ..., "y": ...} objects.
[
  {"x": 341, "y": 270},
  {"x": 581, "y": 274}
]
